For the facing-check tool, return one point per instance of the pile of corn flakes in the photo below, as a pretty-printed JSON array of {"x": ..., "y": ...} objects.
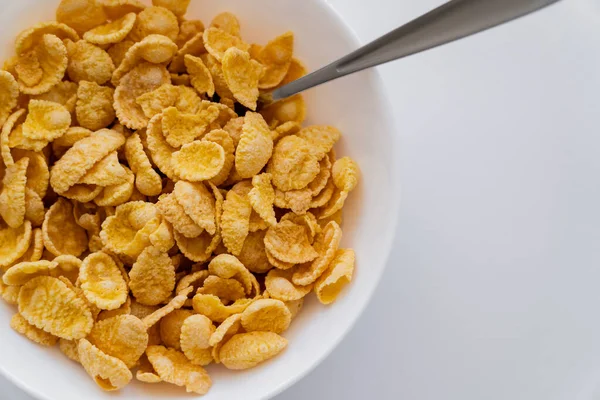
[{"x": 155, "y": 219}]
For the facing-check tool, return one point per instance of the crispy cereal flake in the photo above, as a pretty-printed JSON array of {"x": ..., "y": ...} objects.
[
  {"x": 198, "y": 161},
  {"x": 242, "y": 75},
  {"x": 152, "y": 277},
  {"x": 102, "y": 282},
  {"x": 108, "y": 372},
  {"x": 246, "y": 350},
  {"x": 94, "y": 108},
  {"x": 173, "y": 366},
  {"x": 123, "y": 337},
  {"x": 113, "y": 32}
]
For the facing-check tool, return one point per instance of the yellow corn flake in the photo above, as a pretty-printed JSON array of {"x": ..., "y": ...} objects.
[
  {"x": 198, "y": 249},
  {"x": 29, "y": 38},
  {"x": 200, "y": 77},
  {"x": 123, "y": 337},
  {"x": 279, "y": 285},
  {"x": 227, "y": 266},
  {"x": 152, "y": 277},
  {"x": 106, "y": 172},
  {"x": 289, "y": 242},
  {"x": 64, "y": 93},
  {"x": 81, "y": 15},
  {"x": 117, "y": 194},
  {"x": 299, "y": 201},
  {"x": 46, "y": 120},
  {"x": 182, "y": 128},
  {"x": 155, "y": 20},
  {"x": 198, "y": 204},
  {"x": 198, "y": 161},
  {"x": 223, "y": 139},
  {"x": 212, "y": 307},
  {"x": 145, "y": 372},
  {"x": 188, "y": 100},
  {"x": 143, "y": 78},
  {"x": 276, "y": 56},
  {"x": 293, "y": 165},
  {"x": 226, "y": 329},
  {"x": 173, "y": 212},
  {"x": 10, "y": 294},
  {"x": 194, "y": 280},
  {"x": 69, "y": 349},
  {"x": 159, "y": 149},
  {"x": 82, "y": 156},
  {"x": 295, "y": 307},
  {"x": 36, "y": 247},
  {"x": 286, "y": 129},
  {"x": 141, "y": 311},
  {"x": 147, "y": 181},
  {"x": 253, "y": 254},
  {"x": 338, "y": 275},
  {"x": 255, "y": 146},
  {"x": 102, "y": 282},
  {"x": 88, "y": 62},
  {"x": 308, "y": 220},
  {"x": 187, "y": 30},
  {"x": 327, "y": 244},
  {"x": 108, "y": 372},
  {"x": 235, "y": 221},
  {"x": 246, "y": 350},
  {"x": 51, "y": 305},
  {"x": 71, "y": 136},
  {"x": 162, "y": 238},
  {"x": 116, "y": 9},
  {"x": 15, "y": 242},
  {"x": 242, "y": 75},
  {"x": 296, "y": 71},
  {"x": 67, "y": 266},
  {"x": 155, "y": 49},
  {"x": 267, "y": 315},
  {"x": 28, "y": 69},
  {"x": 60, "y": 231},
  {"x": 225, "y": 289},
  {"x": 325, "y": 196},
  {"x": 216, "y": 71},
  {"x": 278, "y": 263},
  {"x": 94, "y": 107},
  {"x": 21, "y": 273},
  {"x": 12, "y": 196},
  {"x": 156, "y": 101},
  {"x": 173, "y": 367},
  {"x": 334, "y": 204},
  {"x": 196, "y": 332},
  {"x": 217, "y": 42},
  {"x": 345, "y": 174},
  {"x": 177, "y": 7},
  {"x": 13, "y": 138},
  {"x": 176, "y": 303},
  {"x": 194, "y": 47},
  {"x": 113, "y": 32},
  {"x": 320, "y": 181},
  {"x": 292, "y": 108},
  {"x": 20, "y": 325},
  {"x": 262, "y": 197},
  {"x": 51, "y": 55},
  {"x": 234, "y": 129},
  {"x": 82, "y": 193},
  {"x": 9, "y": 93},
  {"x": 226, "y": 22},
  {"x": 118, "y": 51},
  {"x": 170, "y": 328}
]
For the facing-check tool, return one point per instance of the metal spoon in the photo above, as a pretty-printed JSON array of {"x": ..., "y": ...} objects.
[{"x": 447, "y": 23}]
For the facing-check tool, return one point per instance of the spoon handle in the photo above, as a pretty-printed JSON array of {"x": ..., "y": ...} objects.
[{"x": 451, "y": 21}]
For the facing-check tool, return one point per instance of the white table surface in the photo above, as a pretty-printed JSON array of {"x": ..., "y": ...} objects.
[{"x": 492, "y": 289}]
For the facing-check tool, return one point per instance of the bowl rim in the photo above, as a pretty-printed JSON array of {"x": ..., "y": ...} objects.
[{"x": 395, "y": 193}]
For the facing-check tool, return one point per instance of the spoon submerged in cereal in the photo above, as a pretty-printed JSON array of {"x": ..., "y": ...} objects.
[{"x": 452, "y": 21}]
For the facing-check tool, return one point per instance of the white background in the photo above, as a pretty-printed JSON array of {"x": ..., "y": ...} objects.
[{"x": 493, "y": 291}]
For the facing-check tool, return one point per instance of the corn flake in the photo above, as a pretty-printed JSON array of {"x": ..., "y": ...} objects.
[
  {"x": 296, "y": 71},
  {"x": 170, "y": 328},
  {"x": 327, "y": 245},
  {"x": 293, "y": 165},
  {"x": 198, "y": 161},
  {"x": 123, "y": 337},
  {"x": 266, "y": 315},
  {"x": 145, "y": 372},
  {"x": 102, "y": 282},
  {"x": 67, "y": 266},
  {"x": 117, "y": 194},
  {"x": 51, "y": 305},
  {"x": 242, "y": 75},
  {"x": 51, "y": 56},
  {"x": 289, "y": 109},
  {"x": 262, "y": 197},
  {"x": 12, "y": 197},
  {"x": 88, "y": 62},
  {"x": 200, "y": 77},
  {"x": 216, "y": 71},
  {"x": 182, "y": 128},
  {"x": 227, "y": 290},
  {"x": 106, "y": 172},
  {"x": 276, "y": 56},
  {"x": 279, "y": 285},
  {"x": 15, "y": 242},
  {"x": 46, "y": 120},
  {"x": 113, "y": 32},
  {"x": 94, "y": 107},
  {"x": 81, "y": 15},
  {"x": 339, "y": 274},
  {"x": 118, "y": 51},
  {"x": 226, "y": 22},
  {"x": 143, "y": 78},
  {"x": 156, "y": 101},
  {"x": 60, "y": 231},
  {"x": 36, "y": 247},
  {"x": 212, "y": 307},
  {"x": 255, "y": 146},
  {"x": 82, "y": 156},
  {"x": 110, "y": 373},
  {"x": 196, "y": 332},
  {"x": 176, "y": 303},
  {"x": 116, "y": 9},
  {"x": 147, "y": 181},
  {"x": 29, "y": 38},
  {"x": 173, "y": 367},
  {"x": 9, "y": 93},
  {"x": 155, "y": 20},
  {"x": 227, "y": 266},
  {"x": 19, "y": 274},
  {"x": 20, "y": 325},
  {"x": 173, "y": 212},
  {"x": 187, "y": 30},
  {"x": 246, "y": 350},
  {"x": 289, "y": 242},
  {"x": 235, "y": 221},
  {"x": 152, "y": 277}
]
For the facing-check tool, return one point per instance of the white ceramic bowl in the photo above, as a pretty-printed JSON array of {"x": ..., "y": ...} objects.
[{"x": 355, "y": 104}]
